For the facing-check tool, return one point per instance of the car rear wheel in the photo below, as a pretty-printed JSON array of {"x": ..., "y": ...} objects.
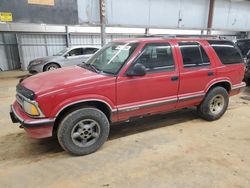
[
  {"x": 247, "y": 80},
  {"x": 51, "y": 66},
  {"x": 83, "y": 131},
  {"x": 214, "y": 105}
]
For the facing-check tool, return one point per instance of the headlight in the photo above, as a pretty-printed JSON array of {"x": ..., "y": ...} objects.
[
  {"x": 30, "y": 108},
  {"x": 35, "y": 62}
]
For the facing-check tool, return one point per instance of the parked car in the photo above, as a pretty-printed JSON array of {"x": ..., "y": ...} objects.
[
  {"x": 66, "y": 57},
  {"x": 127, "y": 79},
  {"x": 247, "y": 72},
  {"x": 244, "y": 45}
]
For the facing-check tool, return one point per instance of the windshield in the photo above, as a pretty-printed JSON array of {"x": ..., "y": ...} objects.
[
  {"x": 62, "y": 52},
  {"x": 111, "y": 57}
]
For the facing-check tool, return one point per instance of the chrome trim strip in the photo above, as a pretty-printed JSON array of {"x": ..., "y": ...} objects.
[
  {"x": 137, "y": 107},
  {"x": 191, "y": 96},
  {"x": 219, "y": 81},
  {"x": 36, "y": 121},
  {"x": 86, "y": 100},
  {"x": 239, "y": 86}
]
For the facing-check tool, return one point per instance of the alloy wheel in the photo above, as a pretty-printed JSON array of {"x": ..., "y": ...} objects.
[{"x": 85, "y": 132}]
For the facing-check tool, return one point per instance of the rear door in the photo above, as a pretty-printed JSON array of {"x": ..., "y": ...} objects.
[
  {"x": 196, "y": 72},
  {"x": 87, "y": 53},
  {"x": 154, "y": 92}
]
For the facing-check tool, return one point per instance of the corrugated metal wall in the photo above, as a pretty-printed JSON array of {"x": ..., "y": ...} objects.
[
  {"x": 76, "y": 40},
  {"x": 232, "y": 15},
  {"x": 94, "y": 39},
  {"x": 9, "y": 57},
  {"x": 32, "y": 46},
  {"x": 158, "y": 13}
]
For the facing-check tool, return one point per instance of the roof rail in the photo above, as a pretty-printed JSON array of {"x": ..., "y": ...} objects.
[
  {"x": 145, "y": 36},
  {"x": 167, "y": 36},
  {"x": 170, "y": 36}
]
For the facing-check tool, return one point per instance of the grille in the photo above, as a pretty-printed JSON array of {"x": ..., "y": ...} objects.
[
  {"x": 25, "y": 92},
  {"x": 20, "y": 100}
]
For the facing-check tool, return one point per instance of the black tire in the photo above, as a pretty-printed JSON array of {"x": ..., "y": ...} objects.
[
  {"x": 50, "y": 67},
  {"x": 214, "y": 104},
  {"x": 68, "y": 129},
  {"x": 247, "y": 80}
]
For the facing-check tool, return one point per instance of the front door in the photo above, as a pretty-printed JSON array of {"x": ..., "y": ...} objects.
[
  {"x": 154, "y": 92},
  {"x": 73, "y": 57}
]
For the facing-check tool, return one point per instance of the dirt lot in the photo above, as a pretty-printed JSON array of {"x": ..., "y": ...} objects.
[{"x": 175, "y": 150}]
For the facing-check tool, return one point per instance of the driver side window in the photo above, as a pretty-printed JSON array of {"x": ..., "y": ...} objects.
[
  {"x": 76, "y": 52},
  {"x": 157, "y": 57}
]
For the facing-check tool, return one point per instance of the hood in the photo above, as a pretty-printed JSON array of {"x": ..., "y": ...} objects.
[
  {"x": 60, "y": 79},
  {"x": 46, "y": 59}
]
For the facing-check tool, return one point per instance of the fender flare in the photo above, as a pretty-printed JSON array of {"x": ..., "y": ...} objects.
[
  {"x": 112, "y": 109},
  {"x": 216, "y": 82}
]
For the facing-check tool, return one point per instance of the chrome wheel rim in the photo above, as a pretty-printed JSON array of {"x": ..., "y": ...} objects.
[
  {"x": 50, "y": 68},
  {"x": 217, "y": 104},
  {"x": 85, "y": 132}
]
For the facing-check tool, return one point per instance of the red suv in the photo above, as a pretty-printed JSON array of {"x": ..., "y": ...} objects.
[{"x": 126, "y": 79}]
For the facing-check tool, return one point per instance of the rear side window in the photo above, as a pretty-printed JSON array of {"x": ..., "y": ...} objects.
[
  {"x": 157, "y": 57},
  {"x": 193, "y": 55},
  {"x": 87, "y": 51},
  {"x": 227, "y": 52}
]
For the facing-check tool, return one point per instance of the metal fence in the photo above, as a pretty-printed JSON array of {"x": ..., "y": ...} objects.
[
  {"x": 32, "y": 46},
  {"x": 9, "y": 57}
]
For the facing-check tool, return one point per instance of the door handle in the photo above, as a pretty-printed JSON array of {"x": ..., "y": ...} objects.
[
  {"x": 210, "y": 73},
  {"x": 175, "y": 78}
]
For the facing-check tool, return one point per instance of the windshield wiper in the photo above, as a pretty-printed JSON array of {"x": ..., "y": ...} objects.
[
  {"x": 94, "y": 68},
  {"x": 89, "y": 67}
]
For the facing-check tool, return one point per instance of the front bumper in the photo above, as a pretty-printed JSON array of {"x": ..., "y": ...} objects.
[
  {"x": 34, "y": 69},
  {"x": 36, "y": 128},
  {"x": 237, "y": 88}
]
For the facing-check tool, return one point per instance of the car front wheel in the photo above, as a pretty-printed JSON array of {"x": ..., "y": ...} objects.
[
  {"x": 51, "y": 66},
  {"x": 83, "y": 131}
]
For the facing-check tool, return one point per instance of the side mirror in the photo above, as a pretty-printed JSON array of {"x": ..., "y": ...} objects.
[
  {"x": 137, "y": 70},
  {"x": 66, "y": 55}
]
